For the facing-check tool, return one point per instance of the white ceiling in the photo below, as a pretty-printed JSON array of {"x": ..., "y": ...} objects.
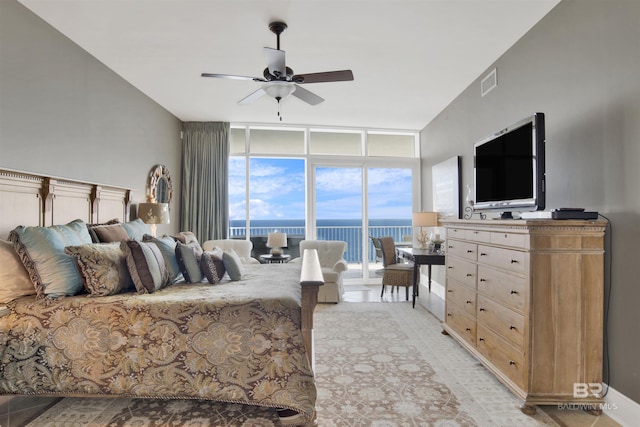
[{"x": 410, "y": 58}]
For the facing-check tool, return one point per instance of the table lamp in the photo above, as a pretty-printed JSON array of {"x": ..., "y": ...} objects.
[
  {"x": 422, "y": 220},
  {"x": 154, "y": 213},
  {"x": 276, "y": 241}
]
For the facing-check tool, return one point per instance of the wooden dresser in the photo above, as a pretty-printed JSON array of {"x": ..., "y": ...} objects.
[{"x": 526, "y": 298}]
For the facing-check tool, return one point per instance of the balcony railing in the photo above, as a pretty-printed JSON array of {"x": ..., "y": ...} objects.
[{"x": 350, "y": 234}]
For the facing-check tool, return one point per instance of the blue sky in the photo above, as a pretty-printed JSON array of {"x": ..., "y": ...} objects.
[{"x": 278, "y": 191}]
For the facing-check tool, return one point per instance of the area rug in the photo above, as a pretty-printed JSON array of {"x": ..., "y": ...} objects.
[{"x": 380, "y": 365}]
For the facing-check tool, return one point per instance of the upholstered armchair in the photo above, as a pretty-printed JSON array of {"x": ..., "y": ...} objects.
[
  {"x": 330, "y": 254},
  {"x": 241, "y": 247}
]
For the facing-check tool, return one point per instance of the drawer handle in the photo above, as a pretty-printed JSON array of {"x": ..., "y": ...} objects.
[
  {"x": 513, "y": 292},
  {"x": 450, "y": 247},
  {"x": 468, "y": 329},
  {"x": 469, "y": 274},
  {"x": 512, "y": 327},
  {"x": 483, "y": 254},
  {"x": 482, "y": 309},
  {"x": 450, "y": 267},
  {"x": 469, "y": 302},
  {"x": 449, "y": 315},
  {"x": 514, "y": 261},
  {"x": 449, "y": 290},
  {"x": 469, "y": 251},
  {"x": 512, "y": 363},
  {"x": 483, "y": 280},
  {"x": 480, "y": 339}
]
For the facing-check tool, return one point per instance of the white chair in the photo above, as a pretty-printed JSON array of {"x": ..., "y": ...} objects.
[
  {"x": 241, "y": 247},
  {"x": 330, "y": 254}
]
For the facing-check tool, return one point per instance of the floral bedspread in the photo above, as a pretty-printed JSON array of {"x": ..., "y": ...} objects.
[{"x": 234, "y": 342}]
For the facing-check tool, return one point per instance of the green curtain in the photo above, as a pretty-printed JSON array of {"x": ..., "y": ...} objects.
[{"x": 205, "y": 167}]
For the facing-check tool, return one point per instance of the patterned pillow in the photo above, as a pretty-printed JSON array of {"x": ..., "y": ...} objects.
[
  {"x": 41, "y": 250},
  {"x": 233, "y": 264},
  {"x": 14, "y": 280},
  {"x": 188, "y": 257},
  {"x": 167, "y": 246},
  {"x": 212, "y": 265},
  {"x": 146, "y": 265},
  {"x": 103, "y": 268},
  {"x": 186, "y": 237},
  {"x": 136, "y": 229}
]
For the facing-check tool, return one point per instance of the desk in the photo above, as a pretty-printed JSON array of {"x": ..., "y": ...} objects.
[
  {"x": 270, "y": 259},
  {"x": 420, "y": 257}
]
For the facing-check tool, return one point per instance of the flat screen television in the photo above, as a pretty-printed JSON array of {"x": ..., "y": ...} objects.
[{"x": 509, "y": 172}]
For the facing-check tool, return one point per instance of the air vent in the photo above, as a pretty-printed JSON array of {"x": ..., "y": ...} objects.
[{"x": 489, "y": 82}]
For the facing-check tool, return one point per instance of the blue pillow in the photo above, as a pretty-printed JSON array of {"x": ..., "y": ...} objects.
[
  {"x": 41, "y": 250},
  {"x": 136, "y": 229},
  {"x": 188, "y": 257},
  {"x": 167, "y": 246},
  {"x": 233, "y": 265}
]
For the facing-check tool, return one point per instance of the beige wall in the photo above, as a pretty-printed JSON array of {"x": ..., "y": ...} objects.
[
  {"x": 63, "y": 113},
  {"x": 581, "y": 67}
]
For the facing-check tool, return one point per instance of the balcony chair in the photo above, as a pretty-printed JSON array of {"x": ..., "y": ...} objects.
[
  {"x": 394, "y": 273},
  {"x": 241, "y": 247},
  {"x": 330, "y": 254}
]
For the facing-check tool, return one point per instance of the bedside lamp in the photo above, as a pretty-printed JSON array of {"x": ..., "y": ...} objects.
[
  {"x": 154, "y": 213},
  {"x": 422, "y": 220},
  {"x": 276, "y": 241}
]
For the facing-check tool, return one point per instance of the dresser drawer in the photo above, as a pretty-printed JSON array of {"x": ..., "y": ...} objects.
[
  {"x": 456, "y": 233},
  {"x": 464, "y": 325},
  {"x": 462, "y": 249},
  {"x": 508, "y": 289},
  {"x": 503, "y": 258},
  {"x": 462, "y": 296},
  {"x": 509, "y": 239},
  {"x": 479, "y": 236},
  {"x": 462, "y": 271},
  {"x": 503, "y": 355},
  {"x": 505, "y": 322}
]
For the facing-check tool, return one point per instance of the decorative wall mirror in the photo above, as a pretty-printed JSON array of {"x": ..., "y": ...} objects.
[{"x": 160, "y": 188}]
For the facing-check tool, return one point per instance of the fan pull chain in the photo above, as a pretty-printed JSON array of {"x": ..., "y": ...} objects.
[{"x": 278, "y": 99}]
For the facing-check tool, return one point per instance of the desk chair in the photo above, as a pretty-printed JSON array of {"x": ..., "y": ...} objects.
[{"x": 394, "y": 273}]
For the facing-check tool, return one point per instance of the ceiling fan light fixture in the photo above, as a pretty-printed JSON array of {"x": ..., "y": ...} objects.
[{"x": 279, "y": 90}]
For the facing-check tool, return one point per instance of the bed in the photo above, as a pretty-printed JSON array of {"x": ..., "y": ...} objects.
[{"x": 248, "y": 341}]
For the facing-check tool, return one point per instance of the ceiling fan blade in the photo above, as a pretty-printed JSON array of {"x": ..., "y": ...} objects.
[
  {"x": 233, "y": 77},
  {"x": 306, "y": 96},
  {"x": 275, "y": 61},
  {"x": 327, "y": 76},
  {"x": 252, "y": 97}
]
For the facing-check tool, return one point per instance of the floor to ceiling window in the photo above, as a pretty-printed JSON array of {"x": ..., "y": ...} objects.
[{"x": 327, "y": 184}]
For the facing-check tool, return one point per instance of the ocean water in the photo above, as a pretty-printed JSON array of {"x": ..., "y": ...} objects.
[{"x": 348, "y": 230}]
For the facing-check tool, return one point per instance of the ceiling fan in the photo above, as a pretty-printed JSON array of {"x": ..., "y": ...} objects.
[{"x": 280, "y": 81}]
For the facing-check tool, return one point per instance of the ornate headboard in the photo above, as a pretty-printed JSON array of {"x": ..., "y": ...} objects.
[{"x": 32, "y": 199}]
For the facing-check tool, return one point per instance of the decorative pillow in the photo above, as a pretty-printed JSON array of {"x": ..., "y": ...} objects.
[
  {"x": 167, "y": 246},
  {"x": 233, "y": 264},
  {"x": 189, "y": 261},
  {"x": 14, "y": 280},
  {"x": 136, "y": 229},
  {"x": 41, "y": 250},
  {"x": 212, "y": 265},
  {"x": 146, "y": 265},
  {"x": 90, "y": 228},
  {"x": 103, "y": 268},
  {"x": 109, "y": 233}
]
